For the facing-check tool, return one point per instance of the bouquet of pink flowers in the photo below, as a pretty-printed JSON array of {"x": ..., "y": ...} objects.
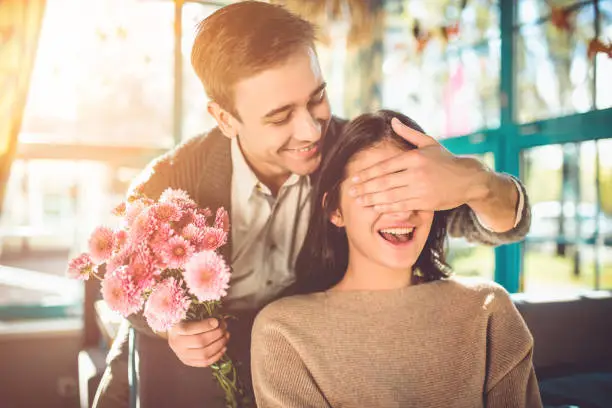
[{"x": 163, "y": 259}]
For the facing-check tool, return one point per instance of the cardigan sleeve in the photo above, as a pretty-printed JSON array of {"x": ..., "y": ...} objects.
[
  {"x": 280, "y": 377},
  {"x": 463, "y": 222},
  {"x": 511, "y": 381}
]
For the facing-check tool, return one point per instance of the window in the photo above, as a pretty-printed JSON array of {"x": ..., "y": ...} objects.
[
  {"x": 468, "y": 259},
  {"x": 110, "y": 84},
  {"x": 195, "y": 117},
  {"x": 569, "y": 245},
  {"x": 555, "y": 77},
  {"x": 100, "y": 106},
  {"x": 454, "y": 77},
  {"x": 603, "y": 62}
]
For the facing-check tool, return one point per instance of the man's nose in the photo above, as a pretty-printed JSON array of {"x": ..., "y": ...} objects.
[{"x": 308, "y": 129}]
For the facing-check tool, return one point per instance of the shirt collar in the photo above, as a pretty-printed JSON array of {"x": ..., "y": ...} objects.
[{"x": 244, "y": 178}]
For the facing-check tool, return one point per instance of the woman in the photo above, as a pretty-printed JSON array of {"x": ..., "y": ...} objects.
[{"x": 381, "y": 323}]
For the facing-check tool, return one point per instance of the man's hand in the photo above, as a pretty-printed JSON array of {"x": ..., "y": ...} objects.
[
  {"x": 426, "y": 178},
  {"x": 199, "y": 344},
  {"x": 431, "y": 178}
]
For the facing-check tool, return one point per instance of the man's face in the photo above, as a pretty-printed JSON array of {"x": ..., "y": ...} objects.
[{"x": 283, "y": 112}]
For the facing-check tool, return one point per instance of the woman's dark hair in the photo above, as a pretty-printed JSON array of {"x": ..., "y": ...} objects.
[{"x": 323, "y": 259}]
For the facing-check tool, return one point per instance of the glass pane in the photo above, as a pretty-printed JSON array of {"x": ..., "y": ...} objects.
[
  {"x": 534, "y": 11},
  {"x": 111, "y": 83},
  {"x": 469, "y": 259},
  {"x": 196, "y": 119},
  {"x": 547, "y": 271},
  {"x": 554, "y": 75},
  {"x": 604, "y": 241},
  {"x": 604, "y": 62},
  {"x": 452, "y": 78},
  {"x": 569, "y": 243},
  {"x": 55, "y": 204},
  {"x": 38, "y": 284}
]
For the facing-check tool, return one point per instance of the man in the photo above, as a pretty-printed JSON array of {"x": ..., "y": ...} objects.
[{"x": 259, "y": 67}]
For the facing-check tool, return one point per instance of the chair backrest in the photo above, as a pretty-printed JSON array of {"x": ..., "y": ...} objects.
[{"x": 571, "y": 333}]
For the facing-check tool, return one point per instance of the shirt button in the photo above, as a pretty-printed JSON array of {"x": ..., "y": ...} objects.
[
  {"x": 272, "y": 247},
  {"x": 269, "y": 282}
]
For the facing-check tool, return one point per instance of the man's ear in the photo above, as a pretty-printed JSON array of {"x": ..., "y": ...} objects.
[{"x": 225, "y": 120}]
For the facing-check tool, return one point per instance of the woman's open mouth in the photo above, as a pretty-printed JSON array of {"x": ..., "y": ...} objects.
[{"x": 397, "y": 236}]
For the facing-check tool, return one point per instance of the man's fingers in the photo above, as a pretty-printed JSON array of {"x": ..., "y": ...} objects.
[
  {"x": 392, "y": 196},
  {"x": 399, "y": 207},
  {"x": 203, "y": 340},
  {"x": 205, "y": 352},
  {"x": 379, "y": 184},
  {"x": 389, "y": 166},
  {"x": 207, "y": 361},
  {"x": 413, "y": 136},
  {"x": 197, "y": 327}
]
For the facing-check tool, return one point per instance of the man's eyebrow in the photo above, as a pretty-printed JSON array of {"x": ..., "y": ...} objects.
[
  {"x": 273, "y": 112},
  {"x": 319, "y": 89}
]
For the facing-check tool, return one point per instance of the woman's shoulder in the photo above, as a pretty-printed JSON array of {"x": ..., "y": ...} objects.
[
  {"x": 474, "y": 284},
  {"x": 482, "y": 291},
  {"x": 290, "y": 309}
]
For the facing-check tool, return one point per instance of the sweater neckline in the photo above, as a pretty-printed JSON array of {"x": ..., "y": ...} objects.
[{"x": 380, "y": 295}]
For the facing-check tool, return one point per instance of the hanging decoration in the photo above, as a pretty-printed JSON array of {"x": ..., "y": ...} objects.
[
  {"x": 358, "y": 14},
  {"x": 421, "y": 36},
  {"x": 560, "y": 17},
  {"x": 446, "y": 32},
  {"x": 451, "y": 31},
  {"x": 596, "y": 46}
]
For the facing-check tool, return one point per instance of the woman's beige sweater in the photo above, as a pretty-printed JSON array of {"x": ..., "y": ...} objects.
[{"x": 451, "y": 343}]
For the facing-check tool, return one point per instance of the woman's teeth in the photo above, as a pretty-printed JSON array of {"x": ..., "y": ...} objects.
[
  {"x": 397, "y": 231},
  {"x": 397, "y": 235}
]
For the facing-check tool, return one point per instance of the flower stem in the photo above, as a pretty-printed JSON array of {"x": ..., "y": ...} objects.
[{"x": 227, "y": 377}]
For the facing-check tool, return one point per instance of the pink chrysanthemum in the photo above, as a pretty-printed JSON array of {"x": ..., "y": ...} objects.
[
  {"x": 177, "y": 252},
  {"x": 166, "y": 212},
  {"x": 204, "y": 211},
  {"x": 120, "y": 209},
  {"x": 141, "y": 270},
  {"x": 133, "y": 210},
  {"x": 186, "y": 219},
  {"x": 118, "y": 259},
  {"x": 199, "y": 220},
  {"x": 159, "y": 239},
  {"x": 101, "y": 244},
  {"x": 222, "y": 219},
  {"x": 120, "y": 293},
  {"x": 214, "y": 238},
  {"x": 121, "y": 238},
  {"x": 194, "y": 235},
  {"x": 166, "y": 306},
  {"x": 143, "y": 227},
  {"x": 80, "y": 267},
  {"x": 207, "y": 276},
  {"x": 178, "y": 197}
]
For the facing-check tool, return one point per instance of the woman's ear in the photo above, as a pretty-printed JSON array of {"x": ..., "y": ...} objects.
[
  {"x": 336, "y": 216},
  {"x": 336, "y": 219}
]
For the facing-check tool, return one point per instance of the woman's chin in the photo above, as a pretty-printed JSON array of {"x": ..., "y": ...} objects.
[{"x": 402, "y": 264}]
